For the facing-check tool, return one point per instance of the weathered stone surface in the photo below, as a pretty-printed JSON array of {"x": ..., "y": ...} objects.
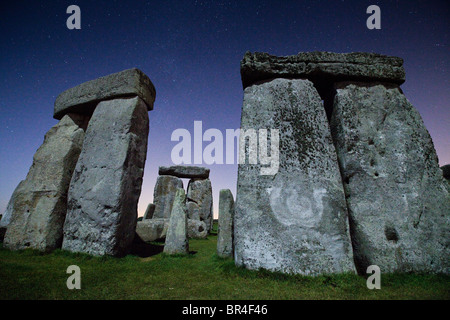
[
  {"x": 200, "y": 192},
  {"x": 190, "y": 172},
  {"x": 226, "y": 217},
  {"x": 85, "y": 97},
  {"x": 398, "y": 204},
  {"x": 6, "y": 217},
  {"x": 105, "y": 188},
  {"x": 197, "y": 229},
  {"x": 152, "y": 229},
  {"x": 446, "y": 171},
  {"x": 164, "y": 195},
  {"x": 355, "y": 66},
  {"x": 149, "y": 212},
  {"x": 177, "y": 233},
  {"x": 39, "y": 203},
  {"x": 295, "y": 221}
]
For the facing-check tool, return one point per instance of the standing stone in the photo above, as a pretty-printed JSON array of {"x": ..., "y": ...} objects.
[
  {"x": 105, "y": 188},
  {"x": 177, "y": 238},
  {"x": 149, "y": 212},
  {"x": 226, "y": 217},
  {"x": 200, "y": 193},
  {"x": 296, "y": 220},
  {"x": 164, "y": 195},
  {"x": 39, "y": 204},
  {"x": 398, "y": 203}
]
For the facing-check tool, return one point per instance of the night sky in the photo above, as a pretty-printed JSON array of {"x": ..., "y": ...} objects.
[{"x": 191, "y": 51}]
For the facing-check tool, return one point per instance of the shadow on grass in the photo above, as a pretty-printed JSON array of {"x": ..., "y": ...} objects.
[{"x": 143, "y": 249}]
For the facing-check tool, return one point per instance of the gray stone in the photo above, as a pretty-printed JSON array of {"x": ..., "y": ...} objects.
[
  {"x": 6, "y": 217},
  {"x": 193, "y": 210},
  {"x": 200, "y": 192},
  {"x": 226, "y": 218},
  {"x": 197, "y": 229},
  {"x": 296, "y": 220},
  {"x": 152, "y": 229},
  {"x": 164, "y": 195},
  {"x": 39, "y": 203},
  {"x": 177, "y": 233},
  {"x": 85, "y": 97},
  {"x": 149, "y": 212},
  {"x": 355, "y": 66},
  {"x": 398, "y": 204},
  {"x": 189, "y": 172},
  {"x": 105, "y": 187},
  {"x": 446, "y": 171}
]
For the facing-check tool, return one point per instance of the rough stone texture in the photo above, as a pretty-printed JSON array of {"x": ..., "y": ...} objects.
[
  {"x": 200, "y": 193},
  {"x": 6, "y": 217},
  {"x": 177, "y": 233},
  {"x": 197, "y": 229},
  {"x": 105, "y": 188},
  {"x": 190, "y": 172},
  {"x": 85, "y": 97},
  {"x": 226, "y": 218},
  {"x": 446, "y": 171},
  {"x": 152, "y": 229},
  {"x": 164, "y": 195},
  {"x": 398, "y": 203},
  {"x": 355, "y": 66},
  {"x": 40, "y": 202},
  {"x": 295, "y": 221},
  {"x": 149, "y": 212}
]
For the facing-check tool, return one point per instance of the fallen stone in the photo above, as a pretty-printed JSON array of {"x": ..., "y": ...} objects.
[
  {"x": 6, "y": 217},
  {"x": 226, "y": 217},
  {"x": 164, "y": 195},
  {"x": 200, "y": 193},
  {"x": 39, "y": 203},
  {"x": 398, "y": 204},
  {"x": 189, "y": 172},
  {"x": 197, "y": 229},
  {"x": 149, "y": 212},
  {"x": 105, "y": 188},
  {"x": 316, "y": 66},
  {"x": 296, "y": 220},
  {"x": 152, "y": 229},
  {"x": 85, "y": 97},
  {"x": 177, "y": 236}
]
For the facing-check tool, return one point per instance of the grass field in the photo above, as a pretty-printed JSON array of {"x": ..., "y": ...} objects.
[{"x": 201, "y": 275}]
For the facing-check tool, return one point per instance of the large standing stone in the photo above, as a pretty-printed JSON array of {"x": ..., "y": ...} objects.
[
  {"x": 226, "y": 217},
  {"x": 39, "y": 204},
  {"x": 177, "y": 234},
  {"x": 152, "y": 229},
  {"x": 200, "y": 193},
  {"x": 296, "y": 220},
  {"x": 85, "y": 97},
  {"x": 149, "y": 212},
  {"x": 164, "y": 195},
  {"x": 190, "y": 172},
  {"x": 105, "y": 188},
  {"x": 398, "y": 204}
]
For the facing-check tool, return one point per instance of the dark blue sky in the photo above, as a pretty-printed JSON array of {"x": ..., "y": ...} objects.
[{"x": 191, "y": 51}]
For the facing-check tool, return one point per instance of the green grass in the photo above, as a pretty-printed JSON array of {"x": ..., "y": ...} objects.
[{"x": 30, "y": 274}]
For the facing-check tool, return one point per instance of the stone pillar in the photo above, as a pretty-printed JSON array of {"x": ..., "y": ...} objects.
[
  {"x": 200, "y": 201},
  {"x": 294, "y": 221},
  {"x": 39, "y": 204},
  {"x": 396, "y": 194},
  {"x": 105, "y": 188},
  {"x": 226, "y": 218},
  {"x": 177, "y": 237},
  {"x": 149, "y": 212},
  {"x": 164, "y": 195}
]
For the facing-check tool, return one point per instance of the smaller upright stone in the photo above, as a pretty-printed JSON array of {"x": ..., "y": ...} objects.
[
  {"x": 199, "y": 192},
  {"x": 177, "y": 238},
  {"x": 189, "y": 172},
  {"x": 149, "y": 212},
  {"x": 226, "y": 216},
  {"x": 164, "y": 195}
]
